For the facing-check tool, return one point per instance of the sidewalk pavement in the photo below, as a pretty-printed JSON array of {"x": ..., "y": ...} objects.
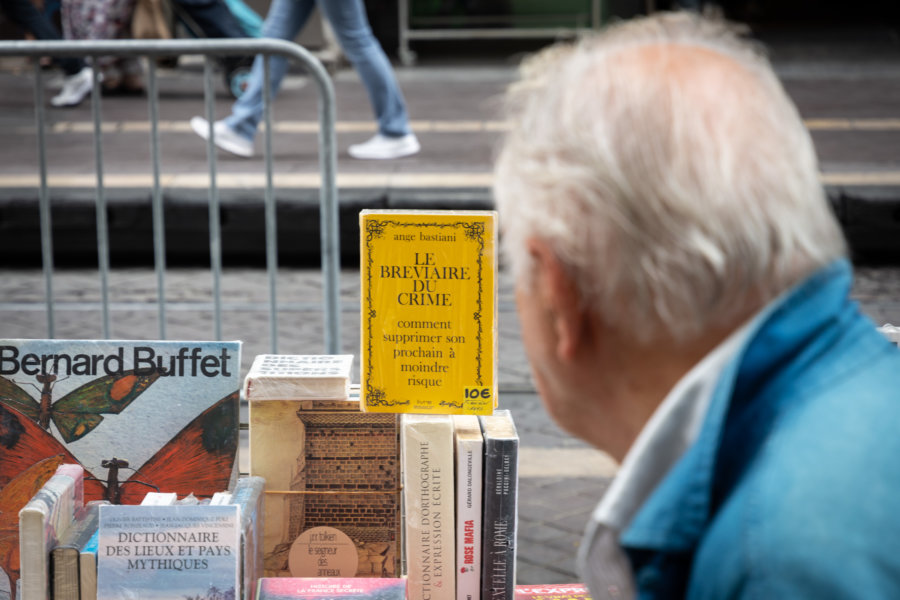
[{"x": 561, "y": 478}]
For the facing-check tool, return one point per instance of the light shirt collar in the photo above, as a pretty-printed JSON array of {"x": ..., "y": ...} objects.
[{"x": 669, "y": 432}]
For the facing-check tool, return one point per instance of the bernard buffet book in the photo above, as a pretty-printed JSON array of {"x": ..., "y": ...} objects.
[{"x": 137, "y": 415}]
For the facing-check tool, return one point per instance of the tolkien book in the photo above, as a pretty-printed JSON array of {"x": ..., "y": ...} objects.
[
  {"x": 46, "y": 518},
  {"x": 553, "y": 591},
  {"x": 500, "y": 512},
  {"x": 429, "y": 311},
  {"x": 65, "y": 560},
  {"x": 160, "y": 552},
  {"x": 428, "y": 495},
  {"x": 469, "y": 455},
  {"x": 329, "y": 588},
  {"x": 137, "y": 415},
  {"x": 332, "y": 473}
]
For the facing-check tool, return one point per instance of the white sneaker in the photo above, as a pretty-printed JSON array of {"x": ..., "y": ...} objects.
[
  {"x": 382, "y": 147},
  {"x": 75, "y": 88},
  {"x": 224, "y": 136}
]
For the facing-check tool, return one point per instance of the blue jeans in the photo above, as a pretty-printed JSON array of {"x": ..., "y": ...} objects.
[{"x": 348, "y": 19}]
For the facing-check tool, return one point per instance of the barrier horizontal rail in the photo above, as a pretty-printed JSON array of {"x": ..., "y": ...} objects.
[{"x": 330, "y": 242}]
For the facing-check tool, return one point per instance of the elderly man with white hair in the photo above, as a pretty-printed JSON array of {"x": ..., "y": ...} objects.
[{"x": 683, "y": 289}]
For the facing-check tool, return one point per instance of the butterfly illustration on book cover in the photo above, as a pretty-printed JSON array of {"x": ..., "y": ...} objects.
[
  {"x": 198, "y": 460},
  {"x": 133, "y": 432}
]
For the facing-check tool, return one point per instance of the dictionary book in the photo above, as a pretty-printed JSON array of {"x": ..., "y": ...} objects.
[
  {"x": 428, "y": 495},
  {"x": 429, "y": 311},
  {"x": 134, "y": 414},
  {"x": 160, "y": 552}
]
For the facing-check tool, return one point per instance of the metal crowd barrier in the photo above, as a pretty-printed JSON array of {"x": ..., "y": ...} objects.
[{"x": 330, "y": 242}]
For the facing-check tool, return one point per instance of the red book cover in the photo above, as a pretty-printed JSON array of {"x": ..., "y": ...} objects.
[
  {"x": 331, "y": 588},
  {"x": 553, "y": 591}
]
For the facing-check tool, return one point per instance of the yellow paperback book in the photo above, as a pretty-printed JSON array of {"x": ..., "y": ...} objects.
[{"x": 429, "y": 311}]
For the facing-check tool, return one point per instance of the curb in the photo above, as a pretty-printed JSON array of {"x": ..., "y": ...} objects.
[{"x": 870, "y": 217}]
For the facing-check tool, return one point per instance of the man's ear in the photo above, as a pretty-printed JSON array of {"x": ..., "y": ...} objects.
[{"x": 560, "y": 298}]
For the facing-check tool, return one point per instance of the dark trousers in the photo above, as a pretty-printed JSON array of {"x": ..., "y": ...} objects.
[{"x": 29, "y": 18}]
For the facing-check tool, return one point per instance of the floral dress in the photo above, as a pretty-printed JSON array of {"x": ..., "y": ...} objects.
[{"x": 105, "y": 20}]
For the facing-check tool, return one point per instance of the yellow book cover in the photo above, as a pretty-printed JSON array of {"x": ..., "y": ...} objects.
[{"x": 429, "y": 311}]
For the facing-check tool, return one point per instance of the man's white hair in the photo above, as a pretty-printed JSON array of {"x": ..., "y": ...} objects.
[{"x": 666, "y": 167}]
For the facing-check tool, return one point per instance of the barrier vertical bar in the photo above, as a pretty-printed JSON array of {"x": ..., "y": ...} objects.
[
  {"x": 44, "y": 199},
  {"x": 328, "y": 201},
  {"x": 270, "y": 209},
  {"x": 102, "y": 227},
  {"x": 159, "y": 228},
  {"x": 215, "y": 230}
]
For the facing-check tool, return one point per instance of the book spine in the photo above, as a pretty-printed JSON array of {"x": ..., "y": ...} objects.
[
  {"x": 87, "y": 568},
  {"x": 46, "y": 516},
  {"x": 498, "y": 568},
  {"x": 469, "y": 459},
  {"x": 65, "y": 573},
  {"x": 248, "y": 495},
  {"x": 65, "y": 557},
  {"x": 427, "y": 449}
]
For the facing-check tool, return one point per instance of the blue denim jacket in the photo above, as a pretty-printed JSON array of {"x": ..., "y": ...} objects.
[{"x": 792, "y": 489}]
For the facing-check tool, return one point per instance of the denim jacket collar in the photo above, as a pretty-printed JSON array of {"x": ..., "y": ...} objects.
[{"x": 678, "y": 511}]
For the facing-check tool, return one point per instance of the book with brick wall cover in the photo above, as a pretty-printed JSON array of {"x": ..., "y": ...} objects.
[
  {"x": 429, "y": 311},
  {"x": 469, "y": 457},
  {"x": 328, "y": 588},
  {"x": 429, "y": 501},
  {"x": 553, "y": 591},
  {"x": 332, "y": 473},
  {"x": 46, "y": 518},
  {"x": 161, "y": 552},
  {"x": 500, "y": 512},
  {"x": 66, "y": 556}
]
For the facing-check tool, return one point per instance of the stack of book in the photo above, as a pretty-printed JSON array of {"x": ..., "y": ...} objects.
[
  {"x": 164, "y": 546},
  {"x": 460, "y": 494},
  {"x": 429, "y": 348}
]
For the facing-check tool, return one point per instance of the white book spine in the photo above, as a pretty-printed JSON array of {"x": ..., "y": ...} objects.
[
  {"x": 469, "y": 479},
  {"x": 47, "y": 516},
  {"x": 427, "y": 451}
]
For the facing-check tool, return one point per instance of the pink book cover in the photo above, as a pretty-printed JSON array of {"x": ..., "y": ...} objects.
[{"x": 328, "y": 588}]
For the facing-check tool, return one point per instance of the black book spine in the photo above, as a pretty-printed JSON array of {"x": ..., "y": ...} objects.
[{"x": 498, "y": 556}]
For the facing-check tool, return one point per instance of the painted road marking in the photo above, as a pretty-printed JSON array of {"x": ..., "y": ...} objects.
[
  {"x": 344, "y": 180},
  {"x": 421, "y": 126},
  {"x": 565, "y": 462}
]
